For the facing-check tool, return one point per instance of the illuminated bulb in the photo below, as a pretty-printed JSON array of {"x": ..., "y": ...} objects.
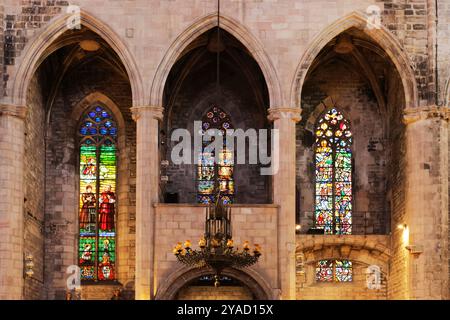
[
  {"x": 401, "y": 226},
  {"x": 298, "y": 227},
  {"x": 89, "y": 45}
]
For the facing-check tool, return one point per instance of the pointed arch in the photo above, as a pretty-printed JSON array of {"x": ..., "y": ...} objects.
[
  {"x": 43, "y": 45},
  {"x": 98, "y": 97},
  {"x": 252, "y": 44},
  {"x": 381, "y": 36}
]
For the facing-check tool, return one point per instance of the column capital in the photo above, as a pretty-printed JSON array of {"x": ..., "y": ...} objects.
[
  {"x": 13, "y": 110},
  {"x": 411, "y": 115},
  {"x": 154, "y": 112},
  {"x": 285, "y": 113}
]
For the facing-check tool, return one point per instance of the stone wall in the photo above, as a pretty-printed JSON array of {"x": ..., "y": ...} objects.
[
  {"x": 34, "y": 186},
  {"x": 283, "y": 29},
  {"x": 344, "y": 89},
  {"x": 408, "y": 22},
  {"x": 443, "y": 48},
  {"x": 191, "y": 91},
  {"x": 212, "y": 293},
  {"x": 174, "y": 223},
  {"x": 2, "y": 47},
  {"x": 355, "y": 290},
  {"x": 398, "y": 287},
  {"x": 62, "y": 176},
  {"x": 24, "y": 20},
  {"x": 362, "y": 251}
]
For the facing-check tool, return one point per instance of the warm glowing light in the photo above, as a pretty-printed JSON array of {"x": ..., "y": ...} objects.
[
  {"x": 298, "y": 227},
  {"x": 202, "y": 243},
  {"x": 401, "y": 226},
  {"x": 89, "y": 45}
]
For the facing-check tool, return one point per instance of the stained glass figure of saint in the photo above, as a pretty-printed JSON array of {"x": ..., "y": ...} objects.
[
  {"x": 97, "y": 227},
  {"x": 333, "y": 166}
]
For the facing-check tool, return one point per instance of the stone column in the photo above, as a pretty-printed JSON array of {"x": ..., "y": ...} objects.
[
  {"x": 284, "y": 196},
  {"x": 147, "y": 193},
  {"x": 426, "y": 203},
  {"x": 12, "y": 144}
]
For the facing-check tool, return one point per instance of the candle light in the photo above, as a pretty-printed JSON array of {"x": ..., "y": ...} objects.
[{"x": 202, "y": 243}]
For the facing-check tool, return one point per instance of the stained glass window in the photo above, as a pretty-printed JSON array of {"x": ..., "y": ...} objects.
[
  {"x": 212, "y": 175},
  {"x": 97, "y": 229},
  {"x": 333, "y": 163},
  {"x": 334, "y": 271}
]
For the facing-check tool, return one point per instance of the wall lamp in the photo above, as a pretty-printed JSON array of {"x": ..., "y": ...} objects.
[{"x": 29, "y": 265}]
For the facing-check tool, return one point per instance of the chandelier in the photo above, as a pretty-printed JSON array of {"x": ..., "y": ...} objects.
[{"x": 216, "y": 248}]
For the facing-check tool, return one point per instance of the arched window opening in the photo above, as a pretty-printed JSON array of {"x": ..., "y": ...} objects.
[
  {"x": 333, "y": 170},
  {"x": 334, "y": 271},
  {"x": 98, "y": 174},
  {"x": 212, "y": 176}
]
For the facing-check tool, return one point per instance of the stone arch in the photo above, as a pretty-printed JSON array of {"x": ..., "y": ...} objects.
[
  {"x": 251, "y": 43},
  {"x": 366, "y": 250},
  {"x": 98, "y": 97},
  {"x": 177, "y": 280},
  {"x": 41, "y": 46},
  {"x": 381, "y": 36},
  {"x": 324, "y": 106}
]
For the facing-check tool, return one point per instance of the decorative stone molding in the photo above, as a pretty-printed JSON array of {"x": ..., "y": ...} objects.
[
  {"x": 415, "y": 250},
  {"x": 381, "y": 36},
  {"x": 412, "y": 115},
  {"x": 13, "y": 110},
  {"x": 153, "y": 111},
  {"x": 40, "y": 47},
  {"x": 183, "y": 276},
  {"x": 285, "y": 113},
  {"x": 240, "y": 32}
]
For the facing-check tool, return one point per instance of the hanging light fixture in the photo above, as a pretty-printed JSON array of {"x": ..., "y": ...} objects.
[{"x": 217, "y": 246}]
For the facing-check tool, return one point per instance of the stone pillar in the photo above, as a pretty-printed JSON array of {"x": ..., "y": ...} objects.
[
  {"x": 426, "y": 203},
  {"x": 284, "y": 196},
  {"x": 147, "y": 193},
  {"x": 12, "y": 144}
]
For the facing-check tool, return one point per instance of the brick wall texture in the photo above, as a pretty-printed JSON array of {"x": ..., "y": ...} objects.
[{"x": 278, "y": 54}]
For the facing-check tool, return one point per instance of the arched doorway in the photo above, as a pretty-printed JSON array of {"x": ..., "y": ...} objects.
[{"x": 188, "y": 283}]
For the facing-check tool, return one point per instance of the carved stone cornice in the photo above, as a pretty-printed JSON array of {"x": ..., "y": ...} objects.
[
  {"x": 13, "y": 111},
  {"x": 412, "y": 115},
  {"x": 285, "y": 113},
  {"x": 151, "y": 111}
]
